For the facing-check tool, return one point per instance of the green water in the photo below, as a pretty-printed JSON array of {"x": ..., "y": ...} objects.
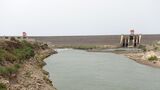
[{"x": 80, "y": 70}]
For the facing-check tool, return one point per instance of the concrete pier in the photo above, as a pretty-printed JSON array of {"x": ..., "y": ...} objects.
[{"x": 130, "y": 40}]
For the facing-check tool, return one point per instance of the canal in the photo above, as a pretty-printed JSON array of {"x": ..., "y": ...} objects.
[{"x": 80, "y": 70}]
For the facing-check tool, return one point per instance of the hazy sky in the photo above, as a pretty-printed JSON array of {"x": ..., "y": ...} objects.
[{"x": 79, "y": 17}]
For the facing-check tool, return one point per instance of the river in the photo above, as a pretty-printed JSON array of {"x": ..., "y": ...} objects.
[{"x": 80, "y": 70}]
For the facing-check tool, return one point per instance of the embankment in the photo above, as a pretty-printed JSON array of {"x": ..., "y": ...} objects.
[
  {"x": 91, "y": 40},
  {"x": 21, "y": 65}
]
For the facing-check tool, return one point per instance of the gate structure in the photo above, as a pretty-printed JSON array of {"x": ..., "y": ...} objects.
[{"x": 132, "y": 40}]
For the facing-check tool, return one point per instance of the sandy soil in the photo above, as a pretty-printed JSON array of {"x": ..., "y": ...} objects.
[{"x": 139, "y": 58}]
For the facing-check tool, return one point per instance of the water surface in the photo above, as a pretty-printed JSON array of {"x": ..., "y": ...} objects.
[{"x": 81, "y": 70}]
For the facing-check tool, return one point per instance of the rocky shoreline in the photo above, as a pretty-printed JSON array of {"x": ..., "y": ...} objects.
[
  {"x": 139, "y": 58},
  {"x": 30, "y": 75}
]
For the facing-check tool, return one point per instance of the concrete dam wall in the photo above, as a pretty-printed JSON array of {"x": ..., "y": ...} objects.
[{"x": 93, "y": 40}]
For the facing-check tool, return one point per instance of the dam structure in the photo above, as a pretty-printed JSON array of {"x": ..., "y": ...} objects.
[
  {"x": 95, "y": 39},
  {"x": 132, "y": 40}
]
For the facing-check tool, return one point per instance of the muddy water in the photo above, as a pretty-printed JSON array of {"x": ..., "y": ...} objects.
[{"x": 81, "y": 70}]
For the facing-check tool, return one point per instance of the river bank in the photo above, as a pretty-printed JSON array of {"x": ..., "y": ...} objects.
[
  {"x": 137, "y": 55},
  {"x": 139, "y": 58},
  {"x": 30, "y": 75}
]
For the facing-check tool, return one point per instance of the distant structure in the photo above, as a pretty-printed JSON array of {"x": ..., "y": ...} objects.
[
  {"x": 132, "y": 40},
  {"x": 20, "y": 38},
  {"x": 24, "y": 34}
]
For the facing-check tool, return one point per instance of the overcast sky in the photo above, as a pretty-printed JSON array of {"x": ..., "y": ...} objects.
[{"x": 79, "y": 17}]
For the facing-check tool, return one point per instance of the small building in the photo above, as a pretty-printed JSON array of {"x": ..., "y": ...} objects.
[{"x": 132, "y": 40}]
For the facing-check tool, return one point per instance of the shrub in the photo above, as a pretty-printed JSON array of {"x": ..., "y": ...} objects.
[
  {"x": 11, "y": 45},
  {"x": 142, "y": 47},
  {"x": 44, "y": 46},
  {"x": 29, "y": 52},
  {"x": 153, "y": 58},
  {"x": 1, "y": 57},
  {"x": 156, "y": 48},
  {"x": 5, "y": 55},
  {"x": 3, "y": 70},
  {"x": 24, "y": 53},
  {"x": 9, "y": 70},
  {"x": 1, "y": 54},
  {"x": 26, "y": 44},
  {"x": 17, "y": 66},
  {"x": 13, "y": 39},
  {"x": 3, "y": 87},
  {"x": 85, "y": 47},
  {"x": 9, "y": 57}
]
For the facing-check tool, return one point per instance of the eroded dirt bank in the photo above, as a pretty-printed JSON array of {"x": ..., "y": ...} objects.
[{"x": 29, "y": 75}]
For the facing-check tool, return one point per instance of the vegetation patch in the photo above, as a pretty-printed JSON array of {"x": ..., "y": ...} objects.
[
  {"x": 7, "y": 56},
  {"x": 9, "y": 70},
  {"x": 143, "y": 47},
  {"x": 16, "y": 51},
  {"x": 85, "y": 47},
  {"x": 3, "y": 87},
  {"x": 12, "y": 53},
  {"x": 24, "y": 53},
  {"x": 153, "y": 58}
]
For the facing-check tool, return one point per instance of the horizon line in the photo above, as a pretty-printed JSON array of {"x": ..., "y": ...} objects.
[{"x": 68, "y": 35}]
